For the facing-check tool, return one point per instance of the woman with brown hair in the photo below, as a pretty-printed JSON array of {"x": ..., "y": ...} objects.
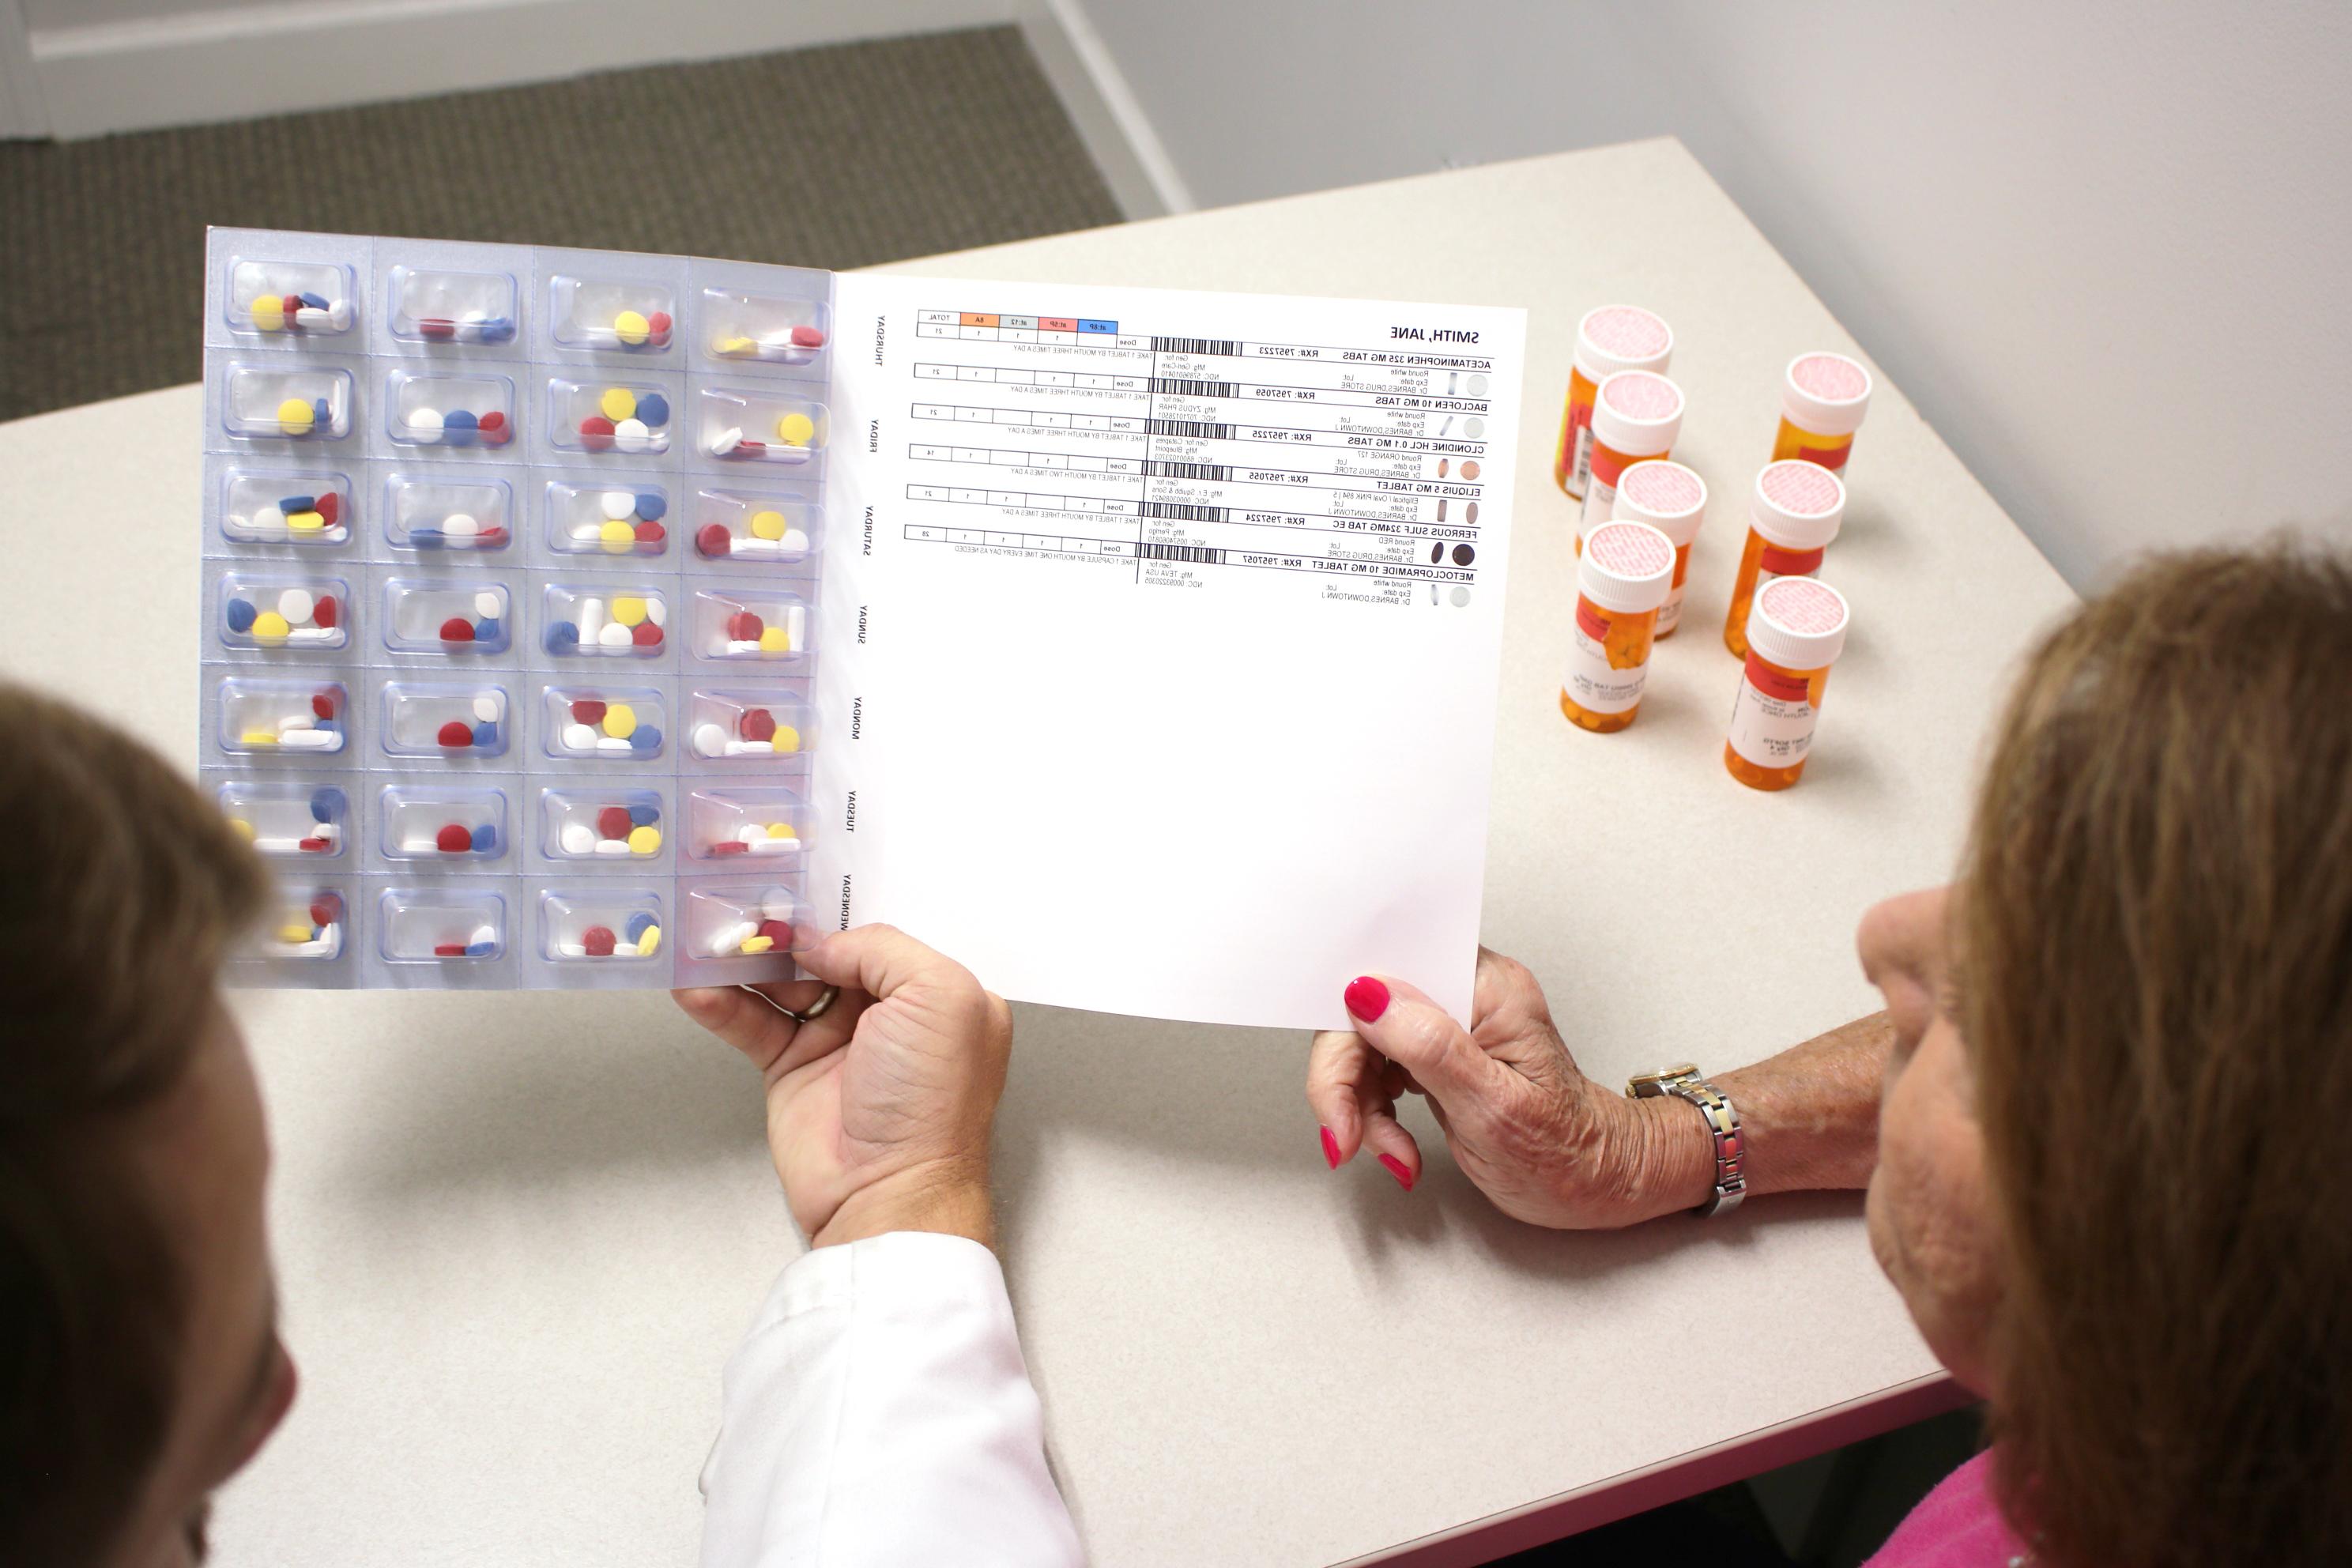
[{"x": 2098, "y": 1119}]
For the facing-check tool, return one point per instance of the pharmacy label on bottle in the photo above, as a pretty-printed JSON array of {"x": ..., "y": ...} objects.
[
  {"x": 1771, "y": 717},
  {"x": 1592, "y": 683}
]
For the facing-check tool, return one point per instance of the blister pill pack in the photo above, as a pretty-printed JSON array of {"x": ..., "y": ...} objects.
[{"x": 510, "y": 571}]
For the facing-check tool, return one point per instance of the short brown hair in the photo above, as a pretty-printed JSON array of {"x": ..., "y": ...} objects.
[
  {"x": 125, "y": 889},
  {"x": 2154, "y": 935}
]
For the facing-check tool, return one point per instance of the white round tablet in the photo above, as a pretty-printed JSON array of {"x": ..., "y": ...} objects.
[
  {"x": 267, "y": 519},
  {"x": 295, "y": 605},
  {"x": 726, "y": 441},
  {"x": 579, "y": 738},
  {"x": 425, "y": 424},
  {"x": 489, "y": 604},
  {"x": 776, "y": 903},
  {"x": 615, "y": 634},
  {"x": 709, "y": 740},
  {"x": 632, "y": 435},
  {"x": 577, "y": 838},
  {"x": 459, "y": 525},
  {"x": 656, "y": 612},
  {"x": 486, "y": 708},
  {"x": 618, "y": 504}
]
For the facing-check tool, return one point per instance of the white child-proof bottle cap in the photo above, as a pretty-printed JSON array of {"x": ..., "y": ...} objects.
[
  {"x": 1667, "y": 496},
  {"x": 1797, "y": 623},
  {"x": 1626, "y": 567},
  {"x": 1826, "y": 393},
  {"x": 1638, "y": 413},
  {"x": 1796, "y": 505},
  {"x": 1611, "y": 338}
]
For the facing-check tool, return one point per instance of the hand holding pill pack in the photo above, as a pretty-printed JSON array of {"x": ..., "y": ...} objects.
[{"x": 492, "y": 717}]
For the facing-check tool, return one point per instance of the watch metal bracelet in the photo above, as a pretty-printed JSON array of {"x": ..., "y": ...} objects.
[{"x": 1683, "y": 1081}]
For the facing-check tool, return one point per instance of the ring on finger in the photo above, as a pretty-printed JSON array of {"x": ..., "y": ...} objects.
[{"x": 815, "y": 1010}]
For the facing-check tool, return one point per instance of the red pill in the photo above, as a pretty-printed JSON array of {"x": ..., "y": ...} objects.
[
  {"x": 730, "y": 847},
  {"x": 492, "y": 428},
  {"x": 658, "y": 327},
  {"x": 597, "y": 941},
  {"x": 434, "y": 327},
  {"x": 749, "y": 448},
  {"x": 448, "y": 950},
  {"x": 778, "y": 931},
  {"x": 324, "y": 913},
  {"x": 457, "y": 628},
  {"x": 743, "y": 626},
  {"x": 292, "y": 306},
  {"x": 613, "y": 822},
  {"x": 756, "y": 724},
  {"x": 453, "y": 839},
  {"x": 596, "y": 433},
  {"x": 490, "y": 539},
  {"x": 650, "y": 532},
  {"x": 587, "y": 710},
  {"x": 645, "y": 634},
  {"x": 312, "y": 846},
  {"x": 808, "y": 337},
  {"x": 712, "y": 538},
  {"x": 323, "y": 610},
  {"x": 453, "y": 733},
  {"x": 322, "y": 704},
  {"x": 328, "y": 506}
]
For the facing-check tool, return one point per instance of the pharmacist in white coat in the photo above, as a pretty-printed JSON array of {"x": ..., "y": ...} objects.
[{"x": 878, "y": 1412}]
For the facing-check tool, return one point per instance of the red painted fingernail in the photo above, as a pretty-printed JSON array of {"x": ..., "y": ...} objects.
[
  {"x": 1396, "y": 1168},
  {"x": 1330, "y": 1149},
  {"x": 1367, "y": 998}
]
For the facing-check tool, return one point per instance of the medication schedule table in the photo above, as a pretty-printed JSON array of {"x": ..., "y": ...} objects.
[{"x": 1362, "y": 463}]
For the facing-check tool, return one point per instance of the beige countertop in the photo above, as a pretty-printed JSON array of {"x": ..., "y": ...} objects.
[{"x": 519, "y": 1234}]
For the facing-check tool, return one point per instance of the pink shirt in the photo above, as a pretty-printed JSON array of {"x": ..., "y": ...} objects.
[{"x": 1955, "y": 1526}]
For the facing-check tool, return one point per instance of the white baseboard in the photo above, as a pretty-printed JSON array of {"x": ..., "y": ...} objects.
[
  {"x": 1143, "y": 179},
  {"x": 237, "y": 62}
]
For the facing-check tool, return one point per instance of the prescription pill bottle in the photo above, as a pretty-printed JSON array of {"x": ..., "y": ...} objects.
[
  {"x": 1672, "y": 500},
  {"x": 1636, "y": 414},
  {"x": 1793, "y": 515},
  {"x": 1611, "y": 338},
  {"x": 1823, "y": 399},
  {"x": 1622, "y": 579},
  {"x": 1795, "y": 632}
]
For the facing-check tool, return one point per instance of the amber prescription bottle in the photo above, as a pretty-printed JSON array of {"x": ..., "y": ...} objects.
[
  {"x": 1672, "y": 500},
  {"x": 1795, "y": 633},
  {"x": 1793, "y": 515},
  {"x": 1622, "y": 578},
  {"x": 1609, "y": 338},
  {"x": 1636, "y": 414},
  {"x": 1823, "y": 399}
]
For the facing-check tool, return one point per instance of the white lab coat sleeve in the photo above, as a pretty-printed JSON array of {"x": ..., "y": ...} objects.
[{"x": 879, "y": 1414}]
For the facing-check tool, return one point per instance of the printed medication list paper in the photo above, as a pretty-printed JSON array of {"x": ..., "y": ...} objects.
[{"x": 1164, "y": 633}]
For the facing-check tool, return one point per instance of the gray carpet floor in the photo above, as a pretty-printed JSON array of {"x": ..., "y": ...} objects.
[{"x": 832, "y": 157}]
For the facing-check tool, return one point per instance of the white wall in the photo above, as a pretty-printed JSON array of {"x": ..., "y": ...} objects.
[{"x": 2104, "y": 247}]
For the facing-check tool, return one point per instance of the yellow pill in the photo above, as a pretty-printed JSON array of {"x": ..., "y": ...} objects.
[
  {"x": 244, "y": 828},
  {"x": 617, "y": 538},
  {"x": 767, "y": 525},
  {"x": 786, "y": 739},
  {"x": 647, "y": 940},
  {"x": 293, "y": 932},
  {"x": 631, "y": 327},
  {"x": 618, "y": 404},
  {"x": 258, "y": 738},
  {"x": 736, "y": 346},
  {"x": 644, "y": 840},
  {"x": 295, "y": 416},
  {"x": 795, "y": 429},
  {"x": 758, "y": 944},
  {"x": 627, "y": 610},
  {"x": 269, "y": 627},
  {"x": 620, "y": 721},
  {"x": 270, "y": 314},
  {"x": 772, "y": 640},
  {"x": 305, "y": 522},
  {"x": 781, "y": 830}
]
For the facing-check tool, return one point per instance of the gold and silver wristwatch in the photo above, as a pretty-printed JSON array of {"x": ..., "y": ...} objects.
[{"x": 1684, "y": 1082}]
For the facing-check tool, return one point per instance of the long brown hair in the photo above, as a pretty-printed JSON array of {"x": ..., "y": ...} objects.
[{"x": 2154, "y": 931}]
